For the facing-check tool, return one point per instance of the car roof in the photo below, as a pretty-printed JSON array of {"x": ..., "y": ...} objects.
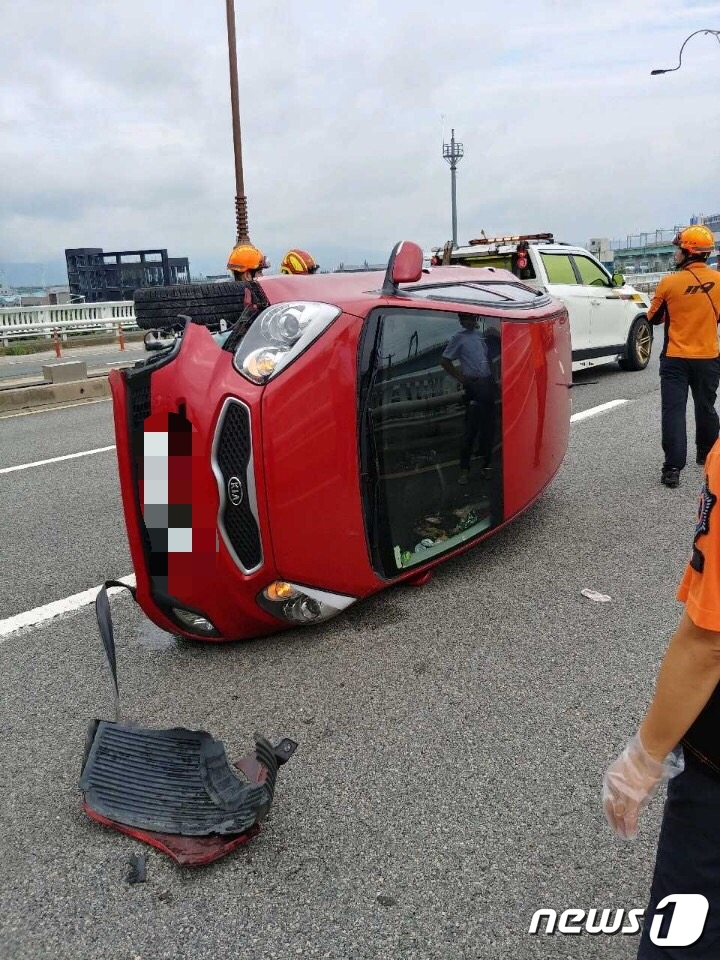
[
  {"x": 359, "y": 293},
  {"x": 366, "y": 286}
]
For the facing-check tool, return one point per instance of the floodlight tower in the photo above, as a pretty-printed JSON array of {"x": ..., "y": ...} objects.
[{"x": 453, "y": 152}]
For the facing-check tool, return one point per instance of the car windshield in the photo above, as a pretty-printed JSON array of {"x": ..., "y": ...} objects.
[{"x": 501, "y": 293}]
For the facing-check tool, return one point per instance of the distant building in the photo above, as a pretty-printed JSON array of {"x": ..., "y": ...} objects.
[
  {"x": 354, "y": 268},
  {"x": 98, "y": 276},
  {"x": 9, "y": 297},
  {"x": 601, "y": 249}
]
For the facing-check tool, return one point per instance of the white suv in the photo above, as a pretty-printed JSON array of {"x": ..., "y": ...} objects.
[{"x": 608, "y": 318}]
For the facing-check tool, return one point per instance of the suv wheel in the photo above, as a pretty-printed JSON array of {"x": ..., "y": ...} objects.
[{"x": 639, "y": 346}]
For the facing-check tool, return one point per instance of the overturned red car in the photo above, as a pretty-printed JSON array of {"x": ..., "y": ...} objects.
[{"x": 326, "y": 444}]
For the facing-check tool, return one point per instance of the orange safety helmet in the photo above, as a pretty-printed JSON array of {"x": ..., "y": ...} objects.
[
  {"x": 246, "y": 256},
  {"x": 697, "y": 240},
  {"x": 298, "y": 261}
]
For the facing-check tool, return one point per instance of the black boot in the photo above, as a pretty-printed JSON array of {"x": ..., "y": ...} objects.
[{"x": 670, "y": 476}]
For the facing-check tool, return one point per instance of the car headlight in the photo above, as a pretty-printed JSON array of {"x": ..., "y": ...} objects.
[
  {"x": 279, "y": 335},
  {"x": 297, "y": 604},
  {"x": 194, "y": 622}
]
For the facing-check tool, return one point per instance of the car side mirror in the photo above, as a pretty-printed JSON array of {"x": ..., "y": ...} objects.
[
  {"x": 404, "y": 266},
  {"x": 618, "y": 280}
]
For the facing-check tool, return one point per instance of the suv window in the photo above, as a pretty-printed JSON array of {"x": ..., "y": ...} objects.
[
  {"x": 590, "y": 273},
  {"x": 559, "y": 268},
  {"x": 506, "y": 261}
]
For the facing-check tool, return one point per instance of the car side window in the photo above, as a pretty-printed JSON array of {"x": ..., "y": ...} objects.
[
  {"x": 591, "y": 273},
  {"x": 559, "y": 268}
]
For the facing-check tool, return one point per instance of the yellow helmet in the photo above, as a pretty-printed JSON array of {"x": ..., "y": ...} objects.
[
  {"x": 696, "y": 239},
  {"x": 298, "y": 261}
]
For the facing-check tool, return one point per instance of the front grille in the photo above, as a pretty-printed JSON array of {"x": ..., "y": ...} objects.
[
  {"x": 234, "y": 470},
  {"x": 139, "y": 392}
]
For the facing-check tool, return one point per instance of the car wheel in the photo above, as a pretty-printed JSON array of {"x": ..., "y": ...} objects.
[
  {"x": 639, "y": 346},
  {"x": 206, "y": 303}
]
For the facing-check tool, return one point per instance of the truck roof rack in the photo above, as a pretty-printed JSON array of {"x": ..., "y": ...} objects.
[{"x": 546, "y": 237}]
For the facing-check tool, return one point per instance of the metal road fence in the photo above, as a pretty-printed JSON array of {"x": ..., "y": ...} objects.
[
  {"x": 50, "y": 322},
  {"x": 59, "y": 322},
  {"x": 644, "y": 282}
]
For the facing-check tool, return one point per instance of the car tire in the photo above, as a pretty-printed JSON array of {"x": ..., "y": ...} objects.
[
  {"x": 639, "y": 346},
  {"x": 206, "y": 303}
]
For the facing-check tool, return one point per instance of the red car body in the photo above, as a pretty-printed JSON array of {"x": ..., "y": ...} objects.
[{"x": 329, "y": 458}]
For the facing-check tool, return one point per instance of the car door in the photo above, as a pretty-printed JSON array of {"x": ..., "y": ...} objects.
[
  {"x": 608, "y": 311},
  {"x": 564, "y": 283}
]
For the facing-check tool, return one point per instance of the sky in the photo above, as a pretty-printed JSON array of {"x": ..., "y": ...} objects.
[{"x": 115, "y": 123}]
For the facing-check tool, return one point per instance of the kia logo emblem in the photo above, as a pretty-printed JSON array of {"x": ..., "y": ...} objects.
[{"x": 235, "y": 491}]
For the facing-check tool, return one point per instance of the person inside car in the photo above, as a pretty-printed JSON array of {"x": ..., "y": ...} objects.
[
  {"x": 470, "y": 347},
  {"x": 298, "y": 261}
]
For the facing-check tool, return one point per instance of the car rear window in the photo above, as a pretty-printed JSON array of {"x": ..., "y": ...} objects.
[{"x": 498, "y": 294}]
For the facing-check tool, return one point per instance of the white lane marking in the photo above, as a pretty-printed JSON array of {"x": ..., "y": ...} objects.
[
  {"x": 64, "y": 406},
  {"x": 594, "y": 411},
  {"x": 31, "y": 618},
  {"x": 68, "y": 456}
]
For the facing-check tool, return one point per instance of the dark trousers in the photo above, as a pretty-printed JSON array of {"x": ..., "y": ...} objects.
[
  {"x": 701, "y": 377},
  {"x": 479, "y": 421},
  {"x": 688, "y": 859}
]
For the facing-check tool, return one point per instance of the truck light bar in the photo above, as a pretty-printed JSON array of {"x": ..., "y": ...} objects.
[{"x": 547, "y": 237}]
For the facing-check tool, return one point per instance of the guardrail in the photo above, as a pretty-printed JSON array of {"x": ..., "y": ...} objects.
[
  {"x": 644, "y": 282},
  {"x": 53, "y": 322}
]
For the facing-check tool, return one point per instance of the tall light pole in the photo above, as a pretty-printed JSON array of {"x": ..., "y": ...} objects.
[
  {"x": 714, "y": 33},
  {"x": 453, "y": 152},
  {"x": 241, "y": 211}
]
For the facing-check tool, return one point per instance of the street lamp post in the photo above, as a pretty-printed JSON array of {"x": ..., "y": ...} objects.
[
  {"x": 714, "y": 33},
  {"x": 241, "y": 211}
]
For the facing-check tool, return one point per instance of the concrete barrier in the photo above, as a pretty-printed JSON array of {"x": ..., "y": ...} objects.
[
  {"x": 49, "y": 395},
  {"x": 64, "y": 372}
]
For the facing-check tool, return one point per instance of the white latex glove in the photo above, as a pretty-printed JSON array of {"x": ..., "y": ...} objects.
[{"x": 631, "y": 781}]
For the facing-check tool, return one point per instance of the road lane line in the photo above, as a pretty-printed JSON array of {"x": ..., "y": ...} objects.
[
  {"x": 31, "y": 618},
  {"x": 68, "y": 456},
  {"x": 594, "y": 411}
]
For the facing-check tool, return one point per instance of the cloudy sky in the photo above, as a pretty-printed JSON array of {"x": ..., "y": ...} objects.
[{"x": 115, "y": 126}]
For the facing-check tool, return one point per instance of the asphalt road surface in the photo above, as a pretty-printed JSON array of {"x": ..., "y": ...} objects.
[
  {"x": 97, "y": 358},
  {"x": 452, "y": 738}
]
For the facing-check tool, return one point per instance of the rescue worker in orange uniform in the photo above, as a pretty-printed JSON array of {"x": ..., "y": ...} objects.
[
  {"x": 678, "y": 743},
  {"x": 246, "y": 262},
  {"x": 298, "y": 261},
  {"x": 688, "y": 304}
]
